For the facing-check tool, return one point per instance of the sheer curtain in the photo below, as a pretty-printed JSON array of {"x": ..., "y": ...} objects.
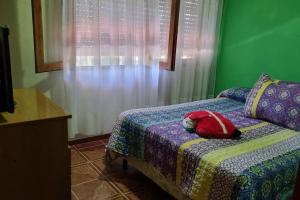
[
  {"x": 197, "y": 48},
  {"x": 111, "y": 60}
]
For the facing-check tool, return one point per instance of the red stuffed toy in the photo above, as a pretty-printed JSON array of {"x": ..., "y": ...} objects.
[{"x": 210, "y": 124}]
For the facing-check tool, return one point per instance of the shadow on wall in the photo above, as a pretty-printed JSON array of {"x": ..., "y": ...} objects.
[
  {"x": 53, "y": 87},
  {"x": 8, "y": 16}
]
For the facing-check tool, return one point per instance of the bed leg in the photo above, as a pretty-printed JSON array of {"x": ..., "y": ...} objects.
[
  {"x": 125, "y": 164},
  {"x": 108, "y": 160}
]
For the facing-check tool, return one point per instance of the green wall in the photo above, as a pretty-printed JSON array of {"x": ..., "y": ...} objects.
[{"x": 259, "y": 36}]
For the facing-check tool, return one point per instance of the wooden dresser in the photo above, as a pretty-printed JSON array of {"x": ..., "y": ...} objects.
[{"x": 34, "y": 154}]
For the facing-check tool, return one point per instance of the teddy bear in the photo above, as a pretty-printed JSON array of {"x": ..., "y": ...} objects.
[{"x": 210, "y": 124}]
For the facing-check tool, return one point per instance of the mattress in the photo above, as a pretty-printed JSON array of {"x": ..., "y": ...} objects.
[{"x": 261, "y": 164}]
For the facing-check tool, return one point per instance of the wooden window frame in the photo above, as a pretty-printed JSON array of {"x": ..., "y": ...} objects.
[
  {"x": 173, "y": 31},
  {"x": 40, "y": 64}
]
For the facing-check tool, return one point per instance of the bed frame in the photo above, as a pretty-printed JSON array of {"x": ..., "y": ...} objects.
[{"x": 150, "y": 171}]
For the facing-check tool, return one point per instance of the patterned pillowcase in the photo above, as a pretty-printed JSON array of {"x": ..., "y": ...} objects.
[
  {"x": 236, "y": 93},
  {"x": 275, "y": 101}
]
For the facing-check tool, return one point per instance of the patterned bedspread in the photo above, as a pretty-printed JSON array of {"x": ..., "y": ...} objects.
[{"x": 261, "y": 164}]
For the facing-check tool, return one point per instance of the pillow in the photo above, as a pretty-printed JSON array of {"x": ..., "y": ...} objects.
[
  {"x": 236, "y": 93},
  {"x": 275, "y": 101}
]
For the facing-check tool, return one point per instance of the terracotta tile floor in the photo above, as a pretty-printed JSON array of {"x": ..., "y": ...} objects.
[{"x": 92, "y": 180}]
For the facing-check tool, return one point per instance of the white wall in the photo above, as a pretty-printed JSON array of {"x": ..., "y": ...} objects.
[{"x": 17, "y": 14}]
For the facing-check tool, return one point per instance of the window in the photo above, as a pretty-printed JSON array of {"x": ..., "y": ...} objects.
[
  {"x": 169, "y": 14},
  {"x": 47, "y": 29}
]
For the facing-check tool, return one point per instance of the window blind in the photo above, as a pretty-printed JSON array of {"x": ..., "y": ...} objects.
[
  {"x": 165, "y": 15},
  {"x": 191, "y": 10},
  {"x": 102, "y": 24}
]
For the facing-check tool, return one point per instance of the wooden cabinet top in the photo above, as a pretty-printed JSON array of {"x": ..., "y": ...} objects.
[{"x": 32, "y": 105}]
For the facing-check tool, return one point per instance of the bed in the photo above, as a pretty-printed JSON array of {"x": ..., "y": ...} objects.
[{"x": 261, "y": 164}]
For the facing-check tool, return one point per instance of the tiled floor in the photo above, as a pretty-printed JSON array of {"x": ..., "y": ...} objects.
[{"x": 93, "y": 180}]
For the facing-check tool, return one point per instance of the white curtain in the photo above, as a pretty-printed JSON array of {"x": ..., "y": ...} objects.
[
  {"x": 111, "y": 58},
  {"x": 196, "y": 56}
]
